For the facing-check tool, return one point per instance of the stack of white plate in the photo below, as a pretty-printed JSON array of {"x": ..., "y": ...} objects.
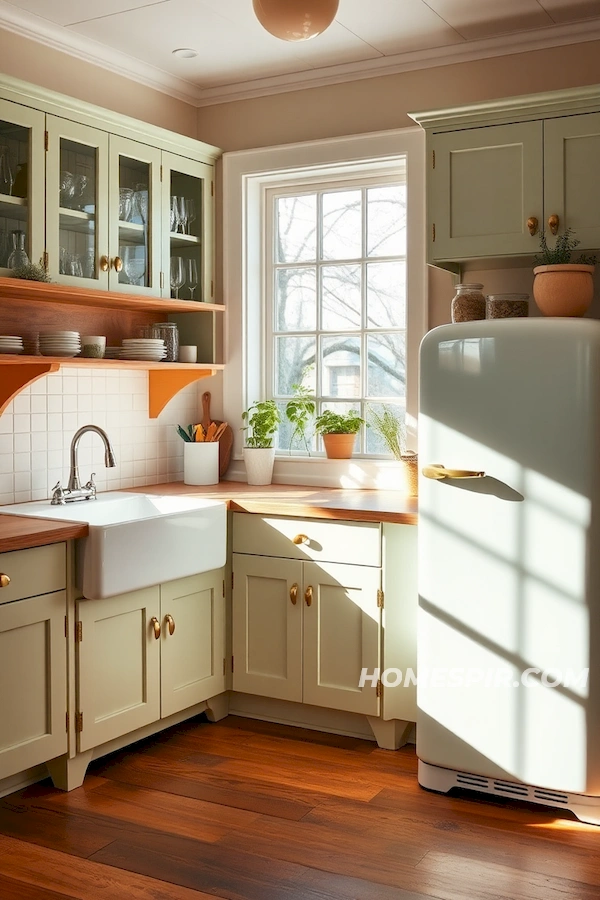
[
  {"x": 151, "y": 349},
  {"x": 112, "y": 353},
  {"x": 9, "y": 343},
  {"x": 60, "y": 343}
]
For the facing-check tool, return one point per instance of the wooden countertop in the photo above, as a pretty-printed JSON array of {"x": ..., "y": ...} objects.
[
  {"x": 21, "y": 532},
  {"x": 301, "y": 500}
]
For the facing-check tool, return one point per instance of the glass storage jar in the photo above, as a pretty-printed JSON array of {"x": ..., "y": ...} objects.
[
  {"x": 468, "y": 303},
  {"x": 507, "y": 306},
  {"x": 169, "y": 333}
]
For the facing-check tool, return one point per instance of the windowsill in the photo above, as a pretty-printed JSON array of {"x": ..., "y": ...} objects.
[{"x": 356, "y": 473}]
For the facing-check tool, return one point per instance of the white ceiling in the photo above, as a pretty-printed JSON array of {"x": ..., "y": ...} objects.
[{"x": 237, "y": 58}]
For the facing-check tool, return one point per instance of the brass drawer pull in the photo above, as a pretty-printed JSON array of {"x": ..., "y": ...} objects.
[
  {"x": 294, "y": 593},
  {"x": 532, "y": 225},
  {"x": 300, "y": 539},
  {"x": 117, "y": 263},
  {"x": 553, "y": 223},
  {"x": 438, "y": 472},
  {"x": 104, "y": 264},
  {"x": 171, "y": 623},
  {"x": 308, "y": 595},
  {"x": 4, "y": 580},
  {"x": 156, "y": 625}
]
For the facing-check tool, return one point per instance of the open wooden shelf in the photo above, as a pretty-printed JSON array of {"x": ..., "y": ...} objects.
[{"x": 30, "y": 306}]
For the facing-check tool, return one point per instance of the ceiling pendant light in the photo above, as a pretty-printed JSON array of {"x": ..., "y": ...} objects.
[{"x": 295, "y": 20}]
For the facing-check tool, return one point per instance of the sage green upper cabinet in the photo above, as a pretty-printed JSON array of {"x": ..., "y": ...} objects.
[
  {"x": 21, "y": 182},
  {"x": 572, "y": 175},
  {"x": 499, "y": 173},
  {"x": 485, "y": 184}
]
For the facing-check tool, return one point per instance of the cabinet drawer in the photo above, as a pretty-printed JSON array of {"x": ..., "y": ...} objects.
[
  {"x": 344, "y": 542},
  {"x": 40, "y": 570}
]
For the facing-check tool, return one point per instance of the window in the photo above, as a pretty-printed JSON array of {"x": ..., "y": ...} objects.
[
  {"x": 336, "y": 286},
  {"x": 324, "y": 282}
]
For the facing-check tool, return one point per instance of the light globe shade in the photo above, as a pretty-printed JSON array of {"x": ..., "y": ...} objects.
[{"x": 295, "y": 20}]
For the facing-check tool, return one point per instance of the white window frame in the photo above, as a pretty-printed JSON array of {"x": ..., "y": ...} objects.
[{"x": 247, "y": 175}]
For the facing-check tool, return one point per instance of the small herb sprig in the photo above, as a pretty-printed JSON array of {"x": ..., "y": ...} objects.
[{"x": 561, "y": 253}]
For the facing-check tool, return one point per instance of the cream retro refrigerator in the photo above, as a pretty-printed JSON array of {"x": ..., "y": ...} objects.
[{"x": 509, "y": 561}]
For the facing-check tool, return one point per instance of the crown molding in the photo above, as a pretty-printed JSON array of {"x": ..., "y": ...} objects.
[{"x": 58, "y": 38}]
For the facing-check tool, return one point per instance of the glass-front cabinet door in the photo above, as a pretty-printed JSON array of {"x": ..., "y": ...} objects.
[
  {"x": 135, "y": 217},
  {"x": 21, "y": 186},
  {"x": 76, "y": 204},
  {"x": 187, "y": 203}
]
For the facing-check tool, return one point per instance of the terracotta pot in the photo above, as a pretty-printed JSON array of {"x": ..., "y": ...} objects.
[
  {"x": 339, "y": 446},
  {"x": 563, "y": 290}
]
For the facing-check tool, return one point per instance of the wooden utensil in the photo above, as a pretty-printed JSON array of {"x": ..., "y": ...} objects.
[{"x": 225, "y": 438}]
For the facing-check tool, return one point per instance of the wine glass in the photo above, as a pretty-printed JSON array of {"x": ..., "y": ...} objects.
[
  {"x": 174, "y": 220},
  {"x": 191, "y": 213},
  {"x": 182, "y": 205},
  {"x": 191, "y": 271},
  {"x": 6, "y": 173},
  {"x": 177, "y": 274},
  {"x": 134, "y": 264}
]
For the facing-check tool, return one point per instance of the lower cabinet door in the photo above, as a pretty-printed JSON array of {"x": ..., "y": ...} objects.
[
  {"x": 118, "y": 665},
  {"x": 192, "y": 640},
  {"x": 33, "y": 673},
  {"x": 267, "y": 626},
  {"x": 342, "y": 635}
]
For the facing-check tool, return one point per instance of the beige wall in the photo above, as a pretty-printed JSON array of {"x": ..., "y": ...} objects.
[
  {"x": 33, "y": 62},
  {"x": 378, "y": 104}
]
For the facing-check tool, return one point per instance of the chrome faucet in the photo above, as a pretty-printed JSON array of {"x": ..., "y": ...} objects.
[{"x": 74, "y": 491}]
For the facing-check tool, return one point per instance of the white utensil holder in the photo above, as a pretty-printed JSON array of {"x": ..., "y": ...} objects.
[{"x": 201, "y": 463}]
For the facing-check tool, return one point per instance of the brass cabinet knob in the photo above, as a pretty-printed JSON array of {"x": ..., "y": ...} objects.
[
  {"x": 532, "y": 225},
  {"x": 300, "y": 539},
  {"x": 104, "y": 263},
  {"x": 171, "y": 623},
  {"x": 294, "y": 593},
  {"x": 553, "y": 223},
  {"x": 117, "y": 263},
  {"x": 156, "y": 625},
  {"x": 436, "y": 471},
  {"x": 4, "y": 580},
  {"x": 308, "y": 595}
]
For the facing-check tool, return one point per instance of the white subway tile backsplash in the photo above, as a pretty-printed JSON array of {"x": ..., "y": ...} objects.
[{"x": 38, "y": 425}]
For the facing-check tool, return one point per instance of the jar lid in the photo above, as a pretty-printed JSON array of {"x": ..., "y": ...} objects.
[
  {"x": 508, "y": 297},
  {"x": 469, "y": 287}
]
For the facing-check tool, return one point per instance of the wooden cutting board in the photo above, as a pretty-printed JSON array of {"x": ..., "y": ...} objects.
[{"x": 226, "y": 439}]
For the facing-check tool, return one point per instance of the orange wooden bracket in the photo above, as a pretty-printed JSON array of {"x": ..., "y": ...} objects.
[
  {"x": 164, "y": 384},
  {"x": 13, "y": 378}
]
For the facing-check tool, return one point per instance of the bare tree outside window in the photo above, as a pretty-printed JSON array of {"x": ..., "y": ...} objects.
[{"x": 338, "y": 309}]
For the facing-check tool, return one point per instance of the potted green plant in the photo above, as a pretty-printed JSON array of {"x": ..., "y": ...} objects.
[
  {"x": 262, "y": 420},
  {"x": 562, "y": 287},
  {"x": 299, "y": 411},
  {"x": 392, "y": 431},
  {"x": 338, "y": 431}
]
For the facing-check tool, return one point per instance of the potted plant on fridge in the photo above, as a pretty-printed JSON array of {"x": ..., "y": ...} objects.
[
  {"x": 338, "y": 431},
  {"x": 562, "y": 287},
  {"x": 262, "y": 420},
  {"x": 392, "y": 431}
]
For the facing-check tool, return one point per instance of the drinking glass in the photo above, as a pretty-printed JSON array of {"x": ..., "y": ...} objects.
[
  {"x": 174, "y": 220},
  {"x": 75, "y": 267},
  {"x": 6, "y": 173},
  {"x": 191, "y": 211},
  {"x": 125, "y": 201},
  {"x": 139, "y": 206},
  {"x": 134, "y": 264},
  {"x": 79, "y": 186},
  {"x": 67, "y": 189},
  {"x": 182, "y": 205},
  {"x": 177, "y": 274},
  {"x": 191, "y": 271}
]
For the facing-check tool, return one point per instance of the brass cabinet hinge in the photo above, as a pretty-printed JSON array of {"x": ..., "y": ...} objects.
[
  {"x": 380, "y": 598},
  {"x": 79, "y": 722},
  {"x": 379, "y": 689},
  {"x": 433, "y": 159},
  {"x": 45, "y": 260},
  {"x": 433, "y": 232},
  {"x": 67, "y": 722},
  {"x": 78, "y": 632},
  {"x": 45, "y": 140}
]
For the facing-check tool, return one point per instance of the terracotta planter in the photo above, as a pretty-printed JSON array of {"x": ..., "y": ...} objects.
[
  {"x": 259, "y": 463},
  {"x": 563, "y": 290},
  {"x": 339, "y": 446}
]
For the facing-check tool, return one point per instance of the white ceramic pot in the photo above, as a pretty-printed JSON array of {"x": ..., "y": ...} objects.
[
  {"x": 259, "y": 463},
  {"x": 201, "y": 463}
]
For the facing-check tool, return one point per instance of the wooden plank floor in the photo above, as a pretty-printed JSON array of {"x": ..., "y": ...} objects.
[{"x": 246, "y": 810}]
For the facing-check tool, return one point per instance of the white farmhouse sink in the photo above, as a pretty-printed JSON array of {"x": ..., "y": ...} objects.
[{"x": 137, "y": 540}]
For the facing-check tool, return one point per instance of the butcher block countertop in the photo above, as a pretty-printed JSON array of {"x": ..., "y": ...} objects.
[{"x": 20, "y": 532}]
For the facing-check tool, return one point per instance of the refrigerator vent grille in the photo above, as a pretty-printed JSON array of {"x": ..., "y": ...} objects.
[
  {"x": 508, "y": 787},
  {"x": 550, "y": 796},
  {"x": 472, "y": 780}
]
